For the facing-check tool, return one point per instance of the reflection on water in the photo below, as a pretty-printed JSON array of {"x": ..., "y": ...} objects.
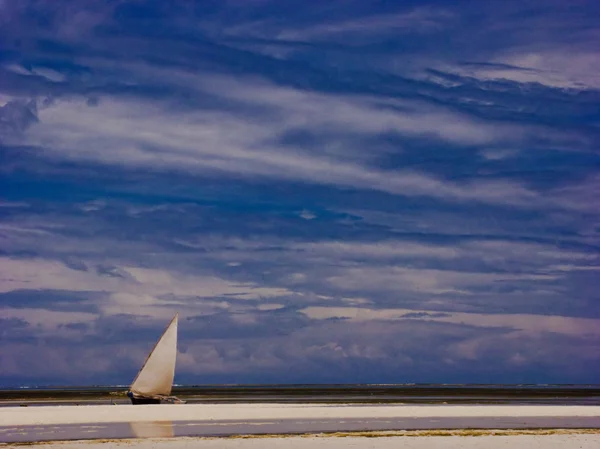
[
  {"x": 142, "y": 429},
  {"x": 152, "y": 429}
]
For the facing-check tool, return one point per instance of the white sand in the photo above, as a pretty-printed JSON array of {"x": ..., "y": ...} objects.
[
  {"x": 50, "y": 415},
  {"x": 569, "y": 441}
]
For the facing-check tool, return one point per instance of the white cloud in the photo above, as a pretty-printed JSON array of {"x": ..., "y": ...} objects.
[
  {"x": 44, "y": 319},
  {"x": 421, "y": 20},
  {"x": 526, "y": 253},
  {"x": 141, "y": 284},
  {"x": 582, "y": 197},
  {"x": 267, "y": 307},
  {"x": 559, "y": 67},
  {"x": 307, "y": 215},
  {"x": 378, "y": 249},
  {"x": 585, "y": 327},
  {"x": 44, "y": 72},
  {"x": 18, "y": 69},
  {"x": 360, "y": 28},
  {"x": 296, "y": 109},
  {"x": 147, "y": 134},
  {"x": 5, "y": 99},
  {"x": 472, "y": 267},
  {"x": 14, "y": 204},
  {"x": 493, "y": 154},
  {"x": 427, "y": 281}
]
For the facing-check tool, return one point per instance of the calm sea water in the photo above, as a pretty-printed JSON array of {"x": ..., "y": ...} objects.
[{"x": 348, "y": 393}]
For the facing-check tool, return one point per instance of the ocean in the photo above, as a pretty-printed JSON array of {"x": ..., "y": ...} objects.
[{"x": 345, "y": 393}]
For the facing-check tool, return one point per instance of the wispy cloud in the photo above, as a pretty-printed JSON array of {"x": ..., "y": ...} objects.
[
  {"x": 528, "y": 323},
  {"x": 562, "y": 69},
  {"x": 421, "y": 20},
  {"x": 125, "y": 131},
  {"x": 142, "y": 282}
]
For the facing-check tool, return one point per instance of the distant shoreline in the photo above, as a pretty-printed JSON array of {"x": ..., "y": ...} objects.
[{"x": 348, "y": 393}]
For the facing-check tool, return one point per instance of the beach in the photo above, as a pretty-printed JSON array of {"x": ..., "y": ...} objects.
[
  {"x": 552, "y": 441},
  {"x": 247, "y": 425},
  {"x": 20, "y": 416}
]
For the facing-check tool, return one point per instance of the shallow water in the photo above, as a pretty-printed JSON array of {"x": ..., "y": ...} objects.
[{"x": 166, "y": 429}]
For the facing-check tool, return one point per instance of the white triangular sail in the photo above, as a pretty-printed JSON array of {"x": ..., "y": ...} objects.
[{"x": 156, "y": 376}]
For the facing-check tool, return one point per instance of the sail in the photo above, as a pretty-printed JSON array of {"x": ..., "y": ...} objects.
[{"x": 156, "y": 376}]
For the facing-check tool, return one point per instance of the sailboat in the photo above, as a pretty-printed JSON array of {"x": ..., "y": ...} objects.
[{"x": 154, "y": 381}]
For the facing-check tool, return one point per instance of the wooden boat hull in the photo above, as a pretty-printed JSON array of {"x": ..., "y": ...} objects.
[
  {"x": 141, "y": 399},
  {"x": 136, "y": 401},
  {"x": 156, "y": 400}
]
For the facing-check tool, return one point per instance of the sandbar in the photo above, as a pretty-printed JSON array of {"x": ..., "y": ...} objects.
[{"x": 20, "y": 416}]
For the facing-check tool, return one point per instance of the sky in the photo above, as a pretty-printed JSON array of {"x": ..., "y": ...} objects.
[{"x": 327, "y": 192}]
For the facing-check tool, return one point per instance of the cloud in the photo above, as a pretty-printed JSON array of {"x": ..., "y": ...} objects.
[
  {"x": 428, "y": 281},
  {"x": 459, "y": 273},
  {"x": 530, "y": 324},
  {"x": 67, "y": 20},
  {"x": 136, "y": 285},
  {"x": 16, "y": 116},
  {"x": 495, "y": 154},
  {"x": 307, "y": 215},
  {"x": 47, "y": 319},
  {"x": 420, "y": 20},
  {"x": 381, "y": 249},
  {"x": 326, "y": 195},
  {"x": 551, "y": 68},
  {"x": 200, "y": 141},
  {"x": 330, "y": 351}
]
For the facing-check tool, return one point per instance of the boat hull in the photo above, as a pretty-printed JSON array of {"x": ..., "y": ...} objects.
[
  {"x": 141, "y": 399},
  {"x": 136, "y": 401},
  {"x": 154, "y": 400}
]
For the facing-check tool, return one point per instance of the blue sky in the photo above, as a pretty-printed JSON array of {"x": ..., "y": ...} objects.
[{"x": 333, "y": 191}]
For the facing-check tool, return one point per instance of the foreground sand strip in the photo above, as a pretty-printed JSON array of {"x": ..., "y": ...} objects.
[
  {"x": 22, "y": 416},
  {"x": 584, "y": 439}
]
